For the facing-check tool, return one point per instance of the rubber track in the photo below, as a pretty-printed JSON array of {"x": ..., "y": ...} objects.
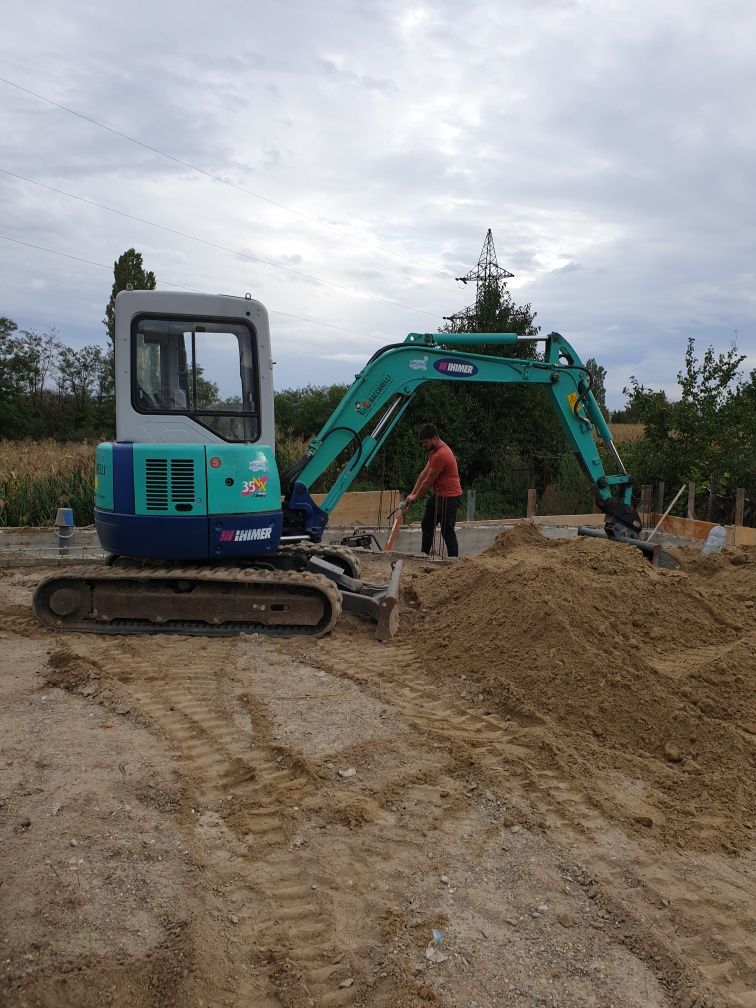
[
  {"x": 343, "y": 553},
  {"x": 279, "y": 579},
  {"x": 265, "y": 561}
]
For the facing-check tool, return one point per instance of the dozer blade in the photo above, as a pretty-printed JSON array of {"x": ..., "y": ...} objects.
[
  {"x": 377, "y": 602},
  {"x": 388, "y": 618}
]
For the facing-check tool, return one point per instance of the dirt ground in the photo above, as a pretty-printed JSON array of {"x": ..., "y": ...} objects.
[{"x": 552, "y": 767}]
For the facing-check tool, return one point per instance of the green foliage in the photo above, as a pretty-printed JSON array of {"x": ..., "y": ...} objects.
[
  {"x": 642, "y": 404},
  {"x": 48, "y": 389},
  {"x": 300, "y": 413},
  {"x": 504, "y": 436},
  {"x": 598, "y": 377},
  {"x": 288, "y": 450},
  {"x": 127, "y": 269},
  {"x": 14, "y": 365},
  {"x": 710, "y": 429},
  {"x": 208, "y": 393},
  {"x": 33, "y": 501}
]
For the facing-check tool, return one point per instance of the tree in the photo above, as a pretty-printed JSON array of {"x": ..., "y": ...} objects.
[
  {"x": 300, "y": 413},
  {"x": 40, "y": 351},
  {"x": 495, "y": 430},
  {"x": 82, "y": 381},
  {"x": 598, "y": 377},
  {"x": 128, "y": 269},
  {"x": 645, "y": 405},
  {"x": 208, "y": 393},
  {"x": 14, "y": 368},
  {"x": 709, "y": 433}
]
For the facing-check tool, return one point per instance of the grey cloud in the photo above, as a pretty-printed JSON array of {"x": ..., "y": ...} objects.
[
  {"x": 610, "y": 148},
  {"x": 332, "y": 70}
]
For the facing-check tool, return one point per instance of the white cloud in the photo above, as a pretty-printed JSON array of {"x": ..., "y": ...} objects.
[{"x": 609, "y": 146}]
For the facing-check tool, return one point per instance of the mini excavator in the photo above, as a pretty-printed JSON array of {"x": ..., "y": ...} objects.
[{"x": 205, "y": 535}]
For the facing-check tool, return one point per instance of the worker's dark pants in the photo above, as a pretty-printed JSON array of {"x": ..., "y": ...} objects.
[{"x": 443, "y": 511}]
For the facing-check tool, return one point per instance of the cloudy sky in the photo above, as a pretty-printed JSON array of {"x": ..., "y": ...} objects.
[{"x": 349, "y": 157}]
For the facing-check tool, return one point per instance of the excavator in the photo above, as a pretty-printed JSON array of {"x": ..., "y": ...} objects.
[{"x": 205, "y": 535}]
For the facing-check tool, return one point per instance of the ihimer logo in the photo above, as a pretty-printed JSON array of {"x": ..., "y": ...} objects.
[{"x": 245, "y": 535}]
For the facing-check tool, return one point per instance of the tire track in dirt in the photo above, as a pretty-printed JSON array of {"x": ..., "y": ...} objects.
[
  {"x": 233, "y": 772},
  {"x": 294, "y": 931},
  {"x": 221, "y": 734},
  {"x": 283, "y": 904},
  {"x": 300, "y": 918},
  {"x": 240, "y": 794},
  {"x": 499, "y": 746},
  {"x": 242, "y": 782}
]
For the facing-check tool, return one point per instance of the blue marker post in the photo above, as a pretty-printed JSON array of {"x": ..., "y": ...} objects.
[{"x": 64, "y": 529}]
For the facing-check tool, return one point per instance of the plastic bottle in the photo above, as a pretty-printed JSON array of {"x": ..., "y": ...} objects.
[{"x": 715, "y": 540}]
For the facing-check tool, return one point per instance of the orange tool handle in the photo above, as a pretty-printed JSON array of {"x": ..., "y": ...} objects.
[{"x": 398, "y": 522}]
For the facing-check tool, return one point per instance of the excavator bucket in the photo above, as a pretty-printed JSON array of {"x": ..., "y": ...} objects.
[
  {"x": 652, "y": 551},
  {"x": 379, "y": 602}
]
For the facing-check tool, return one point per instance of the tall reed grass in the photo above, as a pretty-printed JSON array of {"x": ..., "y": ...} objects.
[{"x": 38, "y": 477}]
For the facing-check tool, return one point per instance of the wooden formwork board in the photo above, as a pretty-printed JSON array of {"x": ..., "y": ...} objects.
[
  {"x": 369, "y": 508},
  {"x": 691, "y": 528}
]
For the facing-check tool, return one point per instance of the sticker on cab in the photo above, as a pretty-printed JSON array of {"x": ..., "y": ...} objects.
[{"x": 256, "y": 487}]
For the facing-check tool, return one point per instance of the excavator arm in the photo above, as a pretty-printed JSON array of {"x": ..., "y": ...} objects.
[{"x": 381, "y": 392}]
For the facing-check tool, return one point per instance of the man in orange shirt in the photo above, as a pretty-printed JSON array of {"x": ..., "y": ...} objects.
[{"x": 442, "y": 476}]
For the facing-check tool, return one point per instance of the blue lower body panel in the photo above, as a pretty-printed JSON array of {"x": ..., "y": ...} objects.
[
  {"x": 244, "y": 535},
  {"x": 168, "y": 537}
]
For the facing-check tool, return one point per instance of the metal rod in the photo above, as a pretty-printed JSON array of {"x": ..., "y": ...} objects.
[
  {"x": 386, "y": 418},
  {"x": 613, "y": 449}
]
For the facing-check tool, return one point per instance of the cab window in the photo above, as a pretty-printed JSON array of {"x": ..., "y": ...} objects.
[{"x": 201, "y": 368}]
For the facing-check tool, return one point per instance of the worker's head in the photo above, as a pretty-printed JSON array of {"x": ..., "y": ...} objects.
[{"x": 429, "y": 436}]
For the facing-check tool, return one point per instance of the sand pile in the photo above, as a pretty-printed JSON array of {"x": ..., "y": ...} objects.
[{"x": 642, "y": 673}]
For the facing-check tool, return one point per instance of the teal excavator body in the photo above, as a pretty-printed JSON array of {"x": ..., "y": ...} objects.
[
  {"x": 193, "y": 473},
  {"x": 205, "y": 534}
]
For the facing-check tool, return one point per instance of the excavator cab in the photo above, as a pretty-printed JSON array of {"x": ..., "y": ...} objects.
[
  {"x": 192, "y": 473},
  {"x": 192, "y": 368}
]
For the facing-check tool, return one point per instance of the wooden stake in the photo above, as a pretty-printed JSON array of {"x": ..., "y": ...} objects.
[
  {"x": 647, "y": 491},
  {"x": 739, "y": 505},
  {"x": 659, "y": 496},
  {"x": 531, "y": 502},
  {"x": 676, "y": 498}
]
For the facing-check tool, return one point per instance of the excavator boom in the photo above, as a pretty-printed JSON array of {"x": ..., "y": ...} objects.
[{"x": 382, "y": 391}]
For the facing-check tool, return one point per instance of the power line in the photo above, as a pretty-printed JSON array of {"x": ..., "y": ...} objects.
[
  {"x": 192, "y": 290},
  {"x": 215, "y": 245},
  {"x": 226, "y": 182}
]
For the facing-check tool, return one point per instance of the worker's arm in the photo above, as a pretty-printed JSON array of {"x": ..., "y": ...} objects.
[
  {"x": 419, "y": 481},
  {"x": 425, "y": 481}
]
